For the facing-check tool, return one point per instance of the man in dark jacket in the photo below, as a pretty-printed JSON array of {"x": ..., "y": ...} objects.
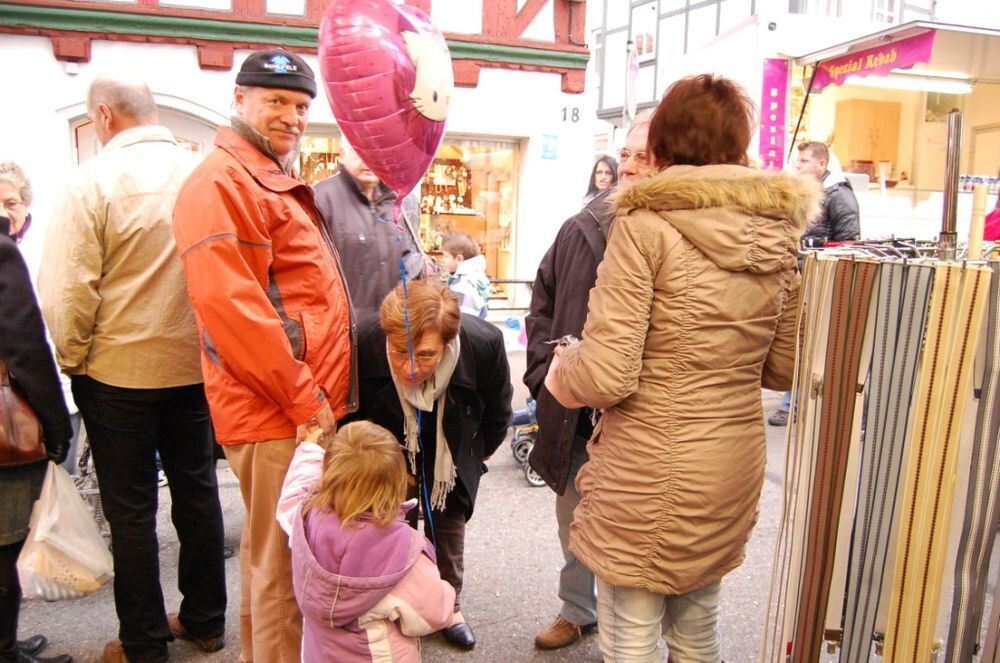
[
  {"x": 559, "y": 307},
  {"x": 358, "y": 211},
  {"x": 838, "y": 220}
]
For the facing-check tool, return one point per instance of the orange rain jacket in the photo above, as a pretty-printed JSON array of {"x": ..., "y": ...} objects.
[{"x": 274, "y": 317}]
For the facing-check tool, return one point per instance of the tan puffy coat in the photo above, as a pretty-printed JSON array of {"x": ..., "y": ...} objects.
[{"x": 694, "y": 310}]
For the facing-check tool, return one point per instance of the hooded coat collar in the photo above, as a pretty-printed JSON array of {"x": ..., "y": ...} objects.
[{"x": 741, "y": 219}]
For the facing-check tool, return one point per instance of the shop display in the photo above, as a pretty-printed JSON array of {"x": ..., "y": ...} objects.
[
  {"x": 471, "y": 187},
  {"x": 447, "y": 188}
]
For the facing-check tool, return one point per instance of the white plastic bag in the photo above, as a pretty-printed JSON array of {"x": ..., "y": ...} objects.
[{"x": 65, "y": 556}]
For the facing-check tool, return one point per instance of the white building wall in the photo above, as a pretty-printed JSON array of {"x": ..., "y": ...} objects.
[{"x": 524, "y": 106}]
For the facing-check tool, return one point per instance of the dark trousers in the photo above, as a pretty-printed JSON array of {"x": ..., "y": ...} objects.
[
  {"x": 448, "y": 535},
  {"x": 127, "y": 428},
  {"x": 10, "y": 595}
]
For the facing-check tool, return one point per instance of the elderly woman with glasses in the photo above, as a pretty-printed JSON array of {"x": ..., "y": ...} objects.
[
  {"x": 440, "y": 381},
  {"x": 15, "y": 196},
  {"x": 27, "y": 358}
]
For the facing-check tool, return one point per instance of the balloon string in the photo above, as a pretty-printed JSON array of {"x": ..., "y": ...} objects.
[{"x": 422, "y": 474}]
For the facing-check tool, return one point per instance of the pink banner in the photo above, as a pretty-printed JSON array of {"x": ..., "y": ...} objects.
[
  {"x": 773, "y": 104},
  {"x": 877, "y": 61}
]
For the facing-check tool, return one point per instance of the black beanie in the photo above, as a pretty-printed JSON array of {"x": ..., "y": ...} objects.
[{"x": 277, "y": 69}]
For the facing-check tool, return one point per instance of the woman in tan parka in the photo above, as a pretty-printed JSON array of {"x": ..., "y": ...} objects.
[{"x": 693, "y": 312}]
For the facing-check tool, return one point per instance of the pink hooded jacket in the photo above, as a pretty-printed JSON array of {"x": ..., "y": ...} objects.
[{"x": 366, "y": 592}]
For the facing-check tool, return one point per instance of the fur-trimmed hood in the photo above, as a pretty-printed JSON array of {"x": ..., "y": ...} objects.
[{"x": 741, "y": 219}]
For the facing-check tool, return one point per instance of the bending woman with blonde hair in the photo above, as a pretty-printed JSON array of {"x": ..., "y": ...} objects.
[{"x": 366, "y": 582}]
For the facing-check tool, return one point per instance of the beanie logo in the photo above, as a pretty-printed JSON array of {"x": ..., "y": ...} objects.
[{"x": 280, "y": 64}]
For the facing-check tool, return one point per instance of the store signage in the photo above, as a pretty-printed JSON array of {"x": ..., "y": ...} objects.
[
  {"x": 550, "y": 146},
  {"x": 773, "y": 103},
  {"x": 878, "y": 61}
]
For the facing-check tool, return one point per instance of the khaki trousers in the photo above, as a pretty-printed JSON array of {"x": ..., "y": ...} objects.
[{"x": 270, "y": 621}]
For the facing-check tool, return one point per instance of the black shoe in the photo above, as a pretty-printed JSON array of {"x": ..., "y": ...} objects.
[
  {"x": 17, "y": 655},
  {"x": 33, "y": 645},
  {"x": 460, "y": 635},
  {"x": 228, "y": 552}
]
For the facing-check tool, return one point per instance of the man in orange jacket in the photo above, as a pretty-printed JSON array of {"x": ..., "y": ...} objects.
[{"x": 275, "y": 322}]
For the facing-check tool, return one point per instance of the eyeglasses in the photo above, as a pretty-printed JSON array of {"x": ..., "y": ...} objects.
[
  {"x": 641, "y": 157},
  {"x": 13, "y": 205},
  {"x": 421, "y": 358}
]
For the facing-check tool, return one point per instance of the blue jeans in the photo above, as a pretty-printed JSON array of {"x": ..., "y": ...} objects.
[
  {"x": 786, "y": 401},
  {"x": 631, "y": 622}
]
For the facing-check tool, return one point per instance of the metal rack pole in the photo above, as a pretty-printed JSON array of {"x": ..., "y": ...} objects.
[{"x": 948, "y": 239}]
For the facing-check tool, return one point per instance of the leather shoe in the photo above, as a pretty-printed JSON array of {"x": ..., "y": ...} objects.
[
  {"x": 33, "y": 645},
  {"x": 18, "y": 655},
  {"x": 460, "y": 635},
  {"x": 560, "y": 633},
  {"x": 114, "y": 652},
  {"x": 207, "y": 645}
]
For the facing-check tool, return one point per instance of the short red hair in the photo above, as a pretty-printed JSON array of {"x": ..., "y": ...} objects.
[
  {"x": 701, "y": 121},
  {"x": 427, "y": 305}
]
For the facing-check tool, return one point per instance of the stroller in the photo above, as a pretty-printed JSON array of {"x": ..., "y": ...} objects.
[{"x": 525, "y": 429}]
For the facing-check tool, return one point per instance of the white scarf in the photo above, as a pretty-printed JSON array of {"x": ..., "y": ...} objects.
[{"x": 422, "y": 397}]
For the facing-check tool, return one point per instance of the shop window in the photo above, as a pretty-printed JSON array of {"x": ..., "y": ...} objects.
[
  {"x": 884, "y": 11},
  {"x": 319, "y": 156},
  {"x": 286, "y": 7},
  {"x": 471, "y": 187},
  {"x": 617, "y": 14},
  {"x": 734, "y": 12},
  {"x": 615, "y": 61},
  {"x": 702, "y": 23},
  {"x": 644, "y": 31}
]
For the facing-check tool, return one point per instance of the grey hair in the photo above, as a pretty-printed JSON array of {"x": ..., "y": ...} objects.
[
  {"x": 642, "y": 119},
  {"x": 129, "y": 98},
  {"x": 12, "y": 174}
]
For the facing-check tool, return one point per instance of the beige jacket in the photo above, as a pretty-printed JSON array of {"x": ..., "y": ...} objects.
[
  {"x": 111, "y": 285},
  {"x": 693, "y": 312}
]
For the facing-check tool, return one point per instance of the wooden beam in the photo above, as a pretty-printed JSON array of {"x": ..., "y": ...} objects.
[{"x": 527, "y": 14}]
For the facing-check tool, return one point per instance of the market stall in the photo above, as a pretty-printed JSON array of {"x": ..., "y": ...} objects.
[{"x": 881, "y": 103}]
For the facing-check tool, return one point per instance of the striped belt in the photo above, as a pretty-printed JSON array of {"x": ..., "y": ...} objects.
[
  {"x": 982, "y": 515},
  {"x": 958, "y": 303},
  {"x": 901, "y": 315}
]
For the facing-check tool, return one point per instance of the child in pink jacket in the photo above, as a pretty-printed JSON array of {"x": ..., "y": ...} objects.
[{"x": 366, "y": 582}]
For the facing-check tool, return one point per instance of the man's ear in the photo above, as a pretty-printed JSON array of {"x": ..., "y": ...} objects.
[
  {"x": 459, "y": 257},
  {"x": 106, "y": 116}
]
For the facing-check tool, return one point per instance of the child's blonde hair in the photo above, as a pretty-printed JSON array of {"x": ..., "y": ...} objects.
[{"x": 364, "y": 471}]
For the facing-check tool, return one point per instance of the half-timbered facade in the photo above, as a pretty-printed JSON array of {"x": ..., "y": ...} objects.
[{"x": 514, "y": 162}]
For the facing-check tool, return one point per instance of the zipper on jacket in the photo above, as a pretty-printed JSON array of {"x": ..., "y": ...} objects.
[{"x": 352, "y": 389}]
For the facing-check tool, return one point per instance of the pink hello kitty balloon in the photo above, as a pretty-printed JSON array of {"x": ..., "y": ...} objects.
[{"x": 389, "y": 80}]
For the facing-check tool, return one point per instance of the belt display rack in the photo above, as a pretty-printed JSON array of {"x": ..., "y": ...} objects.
[{"x": 892, "y": 466}]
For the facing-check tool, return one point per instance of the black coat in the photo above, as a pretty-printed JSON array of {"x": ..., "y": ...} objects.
[
  {"x": 477, "y": 403},
  {"x": 558, "y": 307},
  {"x": 839, "y": 218},
  {"x": 24, "y": 349}
]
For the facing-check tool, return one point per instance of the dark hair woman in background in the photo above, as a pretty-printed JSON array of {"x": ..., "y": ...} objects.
[{"x": 603, "y": 176}]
